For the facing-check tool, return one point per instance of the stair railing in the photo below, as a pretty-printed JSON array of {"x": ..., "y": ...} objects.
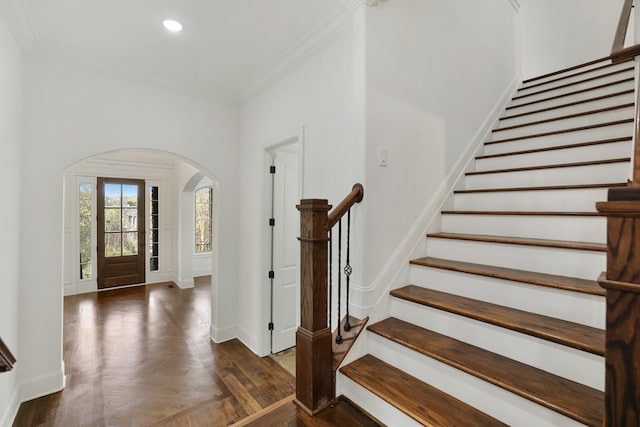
[
  {"x": 315, "y": 388},
  {"x": 7, "y": 359},
  {"x": 622, "y": 278}
]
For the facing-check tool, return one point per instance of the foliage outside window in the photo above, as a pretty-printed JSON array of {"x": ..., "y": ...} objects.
[
  {"x": 85, "y": 230},
  {"x": 121, "y": 220},
  {"x": 203, "y": 207},
  {"x": 154, "y": 230}
]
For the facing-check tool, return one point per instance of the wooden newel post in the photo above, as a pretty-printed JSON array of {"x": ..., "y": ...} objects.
[
  {"x": 622, "y": 282},
  {"x": 314, "y": 375}
]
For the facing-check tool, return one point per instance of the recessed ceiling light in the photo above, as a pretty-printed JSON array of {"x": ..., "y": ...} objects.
[{"x": 172, "y": 25}]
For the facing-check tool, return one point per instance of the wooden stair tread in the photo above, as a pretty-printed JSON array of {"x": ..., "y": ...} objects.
[
  {"x": 561, "y": 131},
  {"x": 590, "y": 79},
  {"x": 542, "y": 188},
  {"x": 548, "y": 243},
  {"x": 567, "y": 397},
  {"x": 568, "y": 76},
  {"x": 565, "y": 70},
  {"x": 565, "y": 117},
  {"x": 562, "y": 332},
  {"x": 573, "y": 284},
  {"x": 553, "y": 166},
  {"x": 556, "y": 147},
  {"x": 569, "y": 104},
  {"x": 520, "y": 213},
  {"x": 422, "y": 402},
  {"x": 576, "y": 92}
]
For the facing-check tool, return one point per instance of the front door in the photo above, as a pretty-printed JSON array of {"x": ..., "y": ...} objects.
[{"x": 121, "y": 211}]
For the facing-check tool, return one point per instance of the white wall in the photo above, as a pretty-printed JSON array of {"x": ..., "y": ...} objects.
[
  {"x": 562, "y": 33},
  {"x": 436, "y": 71},
  {"x": 315, "y": 103},
  {"x": 74, "y": 113},
  {"x": 11, "y": 100}
]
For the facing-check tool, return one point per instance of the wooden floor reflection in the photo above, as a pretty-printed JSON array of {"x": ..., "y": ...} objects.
[{"x": 142, "y": 356}]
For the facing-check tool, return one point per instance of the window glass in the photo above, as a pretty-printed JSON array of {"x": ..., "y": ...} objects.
[
  {"x": 85, "y": 192},
  {"x": 203, "y": 202}
]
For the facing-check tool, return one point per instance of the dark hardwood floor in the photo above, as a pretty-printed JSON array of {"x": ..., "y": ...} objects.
[{"x": 142, "y": 356}]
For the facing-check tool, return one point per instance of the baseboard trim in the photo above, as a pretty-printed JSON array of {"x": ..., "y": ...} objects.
[
  {"x": 221, "y": 335},
  {"x": 42, "y": 385},
  {"x": 11, "y": 411},
  {"x": 184, "y": 284}
]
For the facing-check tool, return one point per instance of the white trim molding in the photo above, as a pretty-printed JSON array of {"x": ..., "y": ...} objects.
[
  {"x": 354, "y": 4},
  {"x": 331, "y": 29}
]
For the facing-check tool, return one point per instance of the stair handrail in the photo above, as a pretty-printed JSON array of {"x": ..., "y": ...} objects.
[
  {"x": 618, "y": 52},
  {"x": 622, "y": 277},
  {"x": 7, "y": 359},
  {"x": 315, "y": 387}
]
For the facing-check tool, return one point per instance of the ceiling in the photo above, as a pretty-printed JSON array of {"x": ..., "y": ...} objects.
[{"x": 226, "y": 45}]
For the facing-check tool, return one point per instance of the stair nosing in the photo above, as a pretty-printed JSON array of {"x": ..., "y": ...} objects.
[
  {"x": 552, "y": 98},
  {"x": 566, "y": 70},
  {"x": 590, "y": 287},
  {"x": 510, "y": 383},
  {"x": 553, "y": 166},
  {"x": 561, "y": 131},
  {"x": 522, "y": 213},
  {"x": 351, "y": 371},
  {"x": 569, "y": 104},
  {"x": 557, "y": 147},
  {"x": 542, "y": 188},
  {"x": 566, "y": 117},
  {"x": 590, "y": 79},
  {"x": 546, "y": 243},
  {"x": 455, "y": 304},
  {"x": 590, "y": 70}
]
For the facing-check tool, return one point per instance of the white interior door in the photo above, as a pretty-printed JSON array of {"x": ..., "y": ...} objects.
[{"x": 286, "y": 250}]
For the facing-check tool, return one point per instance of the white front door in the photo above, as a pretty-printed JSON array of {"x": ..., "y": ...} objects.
[{"x": 286, "y": 251}]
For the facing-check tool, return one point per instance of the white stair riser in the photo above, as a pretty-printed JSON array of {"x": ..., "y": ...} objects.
[
  {"x": 576, "y": 365},
  {"x": 378, "y": 408},
  {"x": 591, "y": 174},
  {"x": 488, "y": 398},
  {"x": 591, "y": 119},
  {"x": 573, "y": 228},
  {"x": 564, "y": 262},
  {"x": 541, "y": 85},
  {"x": 567, "y": 155},
  {"x": 525, "y": 104},
  {"x": 577, "y": 70},
  {"x": 564, "y": 111},
  {"x": 607, "y": 132},
  {"x": 573, "y": 88},
  {"x": 566, "y": 305},
  {"x": 574, "y": 200}
]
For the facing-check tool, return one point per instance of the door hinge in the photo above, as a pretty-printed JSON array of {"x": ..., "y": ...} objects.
[
  {"x": 272, "y": 274},
  {"x": 272, "y": 169},
  {"x": 271, "y": 326},
  {"x": 272, "y": 222}
]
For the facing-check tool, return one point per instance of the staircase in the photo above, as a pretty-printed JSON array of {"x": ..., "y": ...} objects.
[{"x": 502, "y": 321}]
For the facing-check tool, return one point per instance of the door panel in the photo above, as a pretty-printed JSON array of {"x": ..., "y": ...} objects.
[
  {"x": 121, "y": 230},
  {"x": 286, "y": 305}
]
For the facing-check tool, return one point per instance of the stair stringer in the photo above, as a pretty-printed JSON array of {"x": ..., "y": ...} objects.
[{"x": 376, "y": 299}]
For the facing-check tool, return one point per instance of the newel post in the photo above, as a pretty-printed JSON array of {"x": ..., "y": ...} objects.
[
  {"x": 622, "y": 283},
  {"x": 314, "y": 375}
]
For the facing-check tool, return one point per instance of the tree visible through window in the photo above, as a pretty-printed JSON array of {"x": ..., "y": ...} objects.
[
  {"x": 203, "y": 202},
  {"x": 84, "y": 197}
]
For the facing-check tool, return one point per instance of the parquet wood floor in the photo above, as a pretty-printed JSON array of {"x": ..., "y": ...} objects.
[{"x": 141, "y": 356}]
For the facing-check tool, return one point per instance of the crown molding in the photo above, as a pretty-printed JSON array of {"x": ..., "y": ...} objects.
[
  {"x": 354, "y": 4},
  {"x": 18, "y": 18},
  {"x": 328, "y": 31},
  {"x": 516, "y": 5}
]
